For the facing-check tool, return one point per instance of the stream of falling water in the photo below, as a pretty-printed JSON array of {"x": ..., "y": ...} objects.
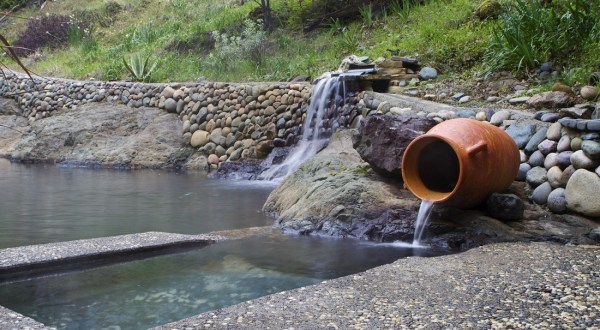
[
  {"x": 325, "y": 90},
  {"x": 421, "y": 222}
]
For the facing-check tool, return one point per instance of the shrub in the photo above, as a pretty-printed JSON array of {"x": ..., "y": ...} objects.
[
  {"x": 47, "y": 31},
  {"x": 250, "y": 44}
]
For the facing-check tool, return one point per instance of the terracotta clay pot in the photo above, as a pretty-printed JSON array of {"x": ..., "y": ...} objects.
[{"x": 460, "y": 162}]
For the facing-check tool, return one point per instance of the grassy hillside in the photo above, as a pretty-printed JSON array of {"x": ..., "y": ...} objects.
[{"x": 222, "y": 40}]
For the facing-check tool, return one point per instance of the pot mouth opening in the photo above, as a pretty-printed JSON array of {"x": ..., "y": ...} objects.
[{"x": 438, "y": 167}]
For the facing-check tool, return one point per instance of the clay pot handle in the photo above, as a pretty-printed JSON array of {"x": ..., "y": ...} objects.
[{"x": 476, "y": 148}]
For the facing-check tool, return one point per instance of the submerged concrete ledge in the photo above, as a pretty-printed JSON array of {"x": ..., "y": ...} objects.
[
  {"x": 42, "y": 259},
  {"x": 52, "y": 258}
]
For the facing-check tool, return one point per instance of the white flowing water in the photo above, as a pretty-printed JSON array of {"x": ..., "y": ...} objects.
[
  {"x": 422, "y": 219},
  {"x": 325, "y": 91}
]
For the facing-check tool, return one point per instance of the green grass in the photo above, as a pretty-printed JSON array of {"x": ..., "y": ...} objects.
[{"x": 442, "y": 33}]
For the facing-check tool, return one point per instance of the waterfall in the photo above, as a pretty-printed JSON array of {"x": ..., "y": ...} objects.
[{"x": 326, "y": 91}]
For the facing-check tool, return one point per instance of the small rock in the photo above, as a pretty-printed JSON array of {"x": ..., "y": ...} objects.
[
  {"x": 171, "y": 105},
  {"x": 550, "y": 117},
  {"x": 500, "y": 117},
  {"x": 563, "y": 160},
  {"x": 536, "y": 159},
  {"x": 464, "y": 99},
  {"x": 505, "y": 206},
  {"x": 554, "y": 132},
  {"x": 458, "y": 96},
  {"x": 547, "y": 146},
  {"x": 591, "y": 149},
  {"x": 493, "y": 99},
  {"x": 582, "y": 193},
  {"x": 428, "y": 73},
  {"x": 561, "y": 87},
  {"x": 541, "y": 193},
  {"x": 536, "y": 176},
  {"x": 564, "y": 144},
  {"x": 521, "y": 134},
  {"x": 593, "y": 125},
  {"x": 577, "y": 112},
  {"x": 199, "y": 138},
  {"x": 557, "y": 202},
  {"x": 589, "y": 93},
  {"x": 566, "y": 175},
  {"x": 481, "y": 116},
  {"x": 535, "y": 140},
  {"x": 551, "y": 100},
  {"x": 580, "y": 161},
  {"x": 519, "y": 100},
  {"x": 522, "y": 173},
  {"x": 554, "y": 177},
  {"x": 551, "y": 160},
  {"x": 590, "y": 136},
  {"x": 576, "y": 143},
  {"x": 465, "y": 114},
  {"x": 213, "y": 159},
  {"x": 522, "y": 156}
]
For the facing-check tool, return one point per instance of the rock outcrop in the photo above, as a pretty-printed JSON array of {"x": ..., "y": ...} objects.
[{"x": 103, "y": 135}]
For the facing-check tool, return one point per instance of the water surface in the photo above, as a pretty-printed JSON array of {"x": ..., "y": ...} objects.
[{"x": 46, "y": 203}]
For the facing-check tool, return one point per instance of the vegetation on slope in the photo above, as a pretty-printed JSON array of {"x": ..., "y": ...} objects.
[{"x": 223, "y": 39}]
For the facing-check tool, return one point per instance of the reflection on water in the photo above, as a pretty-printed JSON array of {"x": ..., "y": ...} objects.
[
  {"x": 45, "y": 203},
  {"x": 141, "y": 294}
]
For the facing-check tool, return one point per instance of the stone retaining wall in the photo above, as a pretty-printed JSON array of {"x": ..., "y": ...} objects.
[{"x": 223, "y": 121}]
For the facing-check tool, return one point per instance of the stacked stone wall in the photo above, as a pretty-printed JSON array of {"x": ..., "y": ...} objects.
[{"x": 224, "y": 121}]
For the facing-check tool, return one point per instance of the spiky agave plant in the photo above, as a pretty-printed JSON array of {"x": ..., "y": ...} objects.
[{"x": 138, "y": 67}]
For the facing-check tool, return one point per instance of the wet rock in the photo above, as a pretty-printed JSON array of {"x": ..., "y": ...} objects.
[
  {"x": 551, "y": 100},
  {"x": 505, "y": 206},
  {"x": 582, "y": 193},
  {"x": 385, "y": 135}
]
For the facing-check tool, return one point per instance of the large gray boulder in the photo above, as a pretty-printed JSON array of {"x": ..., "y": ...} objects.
[
  {"x": 382, "y": 140},
  {"x": 582, "y": 193},
  {"x": 105, "y": 135}
]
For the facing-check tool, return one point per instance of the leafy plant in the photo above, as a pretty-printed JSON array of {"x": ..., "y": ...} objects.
[
  {"x": 366, "y": 13},
  {"x": 47, "y": 31},
  {"x": 138, "y": 67},
  {"x": 530, "y": 33}
]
